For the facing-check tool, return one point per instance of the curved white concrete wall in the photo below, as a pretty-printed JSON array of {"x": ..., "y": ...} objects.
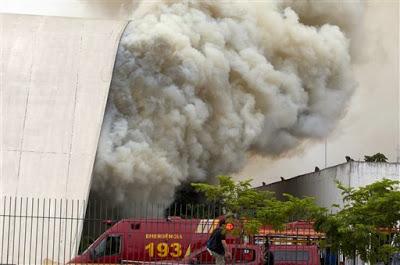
[
  {"x": 322, "y": 185},
  {"x": 55, "y": 76}
]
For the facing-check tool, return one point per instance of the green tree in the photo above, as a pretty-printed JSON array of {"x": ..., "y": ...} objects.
[
  {"x": 277, "y": 213},
  {"x": 366, "y": 224},
  {"x": 238, "y": 200},
  {"x": 256, "y": 208},
  {"x": 378, "y": 157}
]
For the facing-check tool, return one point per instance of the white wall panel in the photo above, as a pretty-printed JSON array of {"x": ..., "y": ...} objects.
[
  {"x": 55, "y": 77},
  {"x": 56, "y": 74},
  {"x": 322, "y": 185}
]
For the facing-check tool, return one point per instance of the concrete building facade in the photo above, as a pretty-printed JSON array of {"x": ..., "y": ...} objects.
[
  {"x": 55, "y": 77},
  {"x": 322, "y": 184}
]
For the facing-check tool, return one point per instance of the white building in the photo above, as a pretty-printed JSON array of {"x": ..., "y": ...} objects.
[
  {"x": 322, "y": 184},
  {"x": 55, "y": 77}
]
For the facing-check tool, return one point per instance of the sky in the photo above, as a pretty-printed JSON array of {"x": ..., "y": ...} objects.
[{"x": 371, "y": 124}]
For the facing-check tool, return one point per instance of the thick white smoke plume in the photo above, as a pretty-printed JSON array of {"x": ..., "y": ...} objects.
[{"x": 199, "y": 84}]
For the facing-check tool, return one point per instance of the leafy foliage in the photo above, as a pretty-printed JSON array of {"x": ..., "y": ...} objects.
[
  {"x": 234, "y": 197},
  {"x": 366, "y": 225},
  {"x": 378, "y": 157},
  {"x": 277, "y": 213},
  {"x": 256, "y": 208}
]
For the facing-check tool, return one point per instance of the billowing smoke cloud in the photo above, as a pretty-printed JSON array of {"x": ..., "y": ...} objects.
[
  {"x": 199, "y": 84},
  {"x": 345, "y": 14},
  {"x": 348, "y": 15}
]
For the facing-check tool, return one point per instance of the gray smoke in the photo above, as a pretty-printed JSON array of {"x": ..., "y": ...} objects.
[{"x": 197, "y": 85}]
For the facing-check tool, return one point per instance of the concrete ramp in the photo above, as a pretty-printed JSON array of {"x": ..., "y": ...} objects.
[{"x": 55, "y": 77}]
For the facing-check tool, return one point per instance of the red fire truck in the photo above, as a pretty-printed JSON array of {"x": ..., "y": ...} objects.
[
  {"x": 176, "y": 240},
  {"x": 296, "y": 243},
  {"x": 147, "y": 240}
]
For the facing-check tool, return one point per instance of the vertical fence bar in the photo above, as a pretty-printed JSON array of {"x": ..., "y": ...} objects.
[
  {"x": 26, "y": 221},
  {"x": 48, "y": 230},
  {"x": 70, "y": 237},
  {"x": 30, "y": 238},
  {"x": 81, "y": 226},
  {"x": 94, "y": 217},
  {"x": 42, "y": 230},
  {"x": 121, "y": 233},
  {"x": 54, "y": 217},
  {"x": 105, "y": 225},
  {"x": 88, "y": 221},
  {"x": 42, "y": 237},
  {"x": 66, "y": 229},
  {"x": 3, "y": 217},
  {"x": 134, "y": 249},
  {"x": 77, "y": 228},
  {"x": 13, "y": 238},
  {"x": 100, "y": 215},
  {"x": 193, "y": 225},
  {"x": 19, "y": 228},
  {"x": 8, "y": 233},
  {"x": 59, "y": 233},
  {"x": 37, "y": 227},
  {"x": 145, "y": 217}
]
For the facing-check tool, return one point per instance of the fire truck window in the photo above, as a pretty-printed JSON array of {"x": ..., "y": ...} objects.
[
  {"x": 108, "y": 247},
  {"x": 243, "y": 255},
  {"x": 292, "y": 255},
  {"x": 113, "y": 245},
  {"x": 100, "y": 249},
  {"x": 135, "y": 226}
]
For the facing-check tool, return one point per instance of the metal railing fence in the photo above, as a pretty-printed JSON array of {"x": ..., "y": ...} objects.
[
  {"x": 43, "y": 230},
  {"x": 58, "y": 231},
  {"x": 33, "y": 230}
]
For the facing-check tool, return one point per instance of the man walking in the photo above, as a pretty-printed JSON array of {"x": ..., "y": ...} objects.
[{"x": 216, "y": 244}]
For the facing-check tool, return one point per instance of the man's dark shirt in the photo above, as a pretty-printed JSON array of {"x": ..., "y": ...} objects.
[{"x": 214, "y": 243}]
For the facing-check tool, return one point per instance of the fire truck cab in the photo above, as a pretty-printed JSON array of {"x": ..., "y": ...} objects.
[
  {"x": 148, "y": 240},
  {"x": 295, "y": 244}
]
